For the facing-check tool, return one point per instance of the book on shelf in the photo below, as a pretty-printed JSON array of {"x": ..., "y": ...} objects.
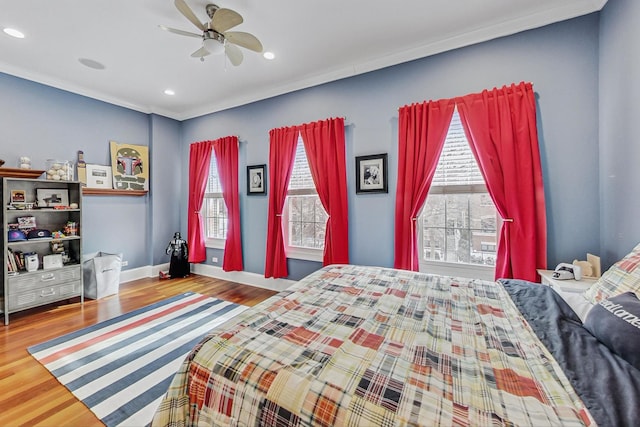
[
  {"x": 19, "y": 260},
  {"x": 15, "y": 260},
  {"x": 11, "y": 260}
]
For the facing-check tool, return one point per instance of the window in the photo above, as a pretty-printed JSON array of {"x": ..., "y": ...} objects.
[
  {"x": 304, "y": 218},
  {"x": 459, "y": 221},
  {"x": 214, "y": 210}
]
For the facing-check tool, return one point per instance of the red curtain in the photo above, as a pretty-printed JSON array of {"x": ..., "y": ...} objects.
[
  {"x": 422, "y": 131},
  {"x": 199, "y": 159},
  {"x": 501, "y": 128},
  {"x": 226, "y": 150},
  {"x": 325, "y": 147},
  {"x": 282, "y": 150}
]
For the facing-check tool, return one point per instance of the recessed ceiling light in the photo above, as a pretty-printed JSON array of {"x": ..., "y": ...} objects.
[
  {"x": 169, "y": 92},
  {"x": 14, "y": 33},
  {"x": 91, "y": 63},
  {"x": 269, "y": 55}
]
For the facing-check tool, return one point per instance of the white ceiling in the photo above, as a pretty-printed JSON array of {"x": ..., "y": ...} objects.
[{"x": 314, "y": 42}]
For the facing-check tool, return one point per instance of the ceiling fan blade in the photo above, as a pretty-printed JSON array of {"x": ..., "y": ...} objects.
[
  {"x": 233, "y": 53},
  {"x": 225, "y": 19},
  {"x": 200, "y": 53},
  {"x": 182, "y": 6},
  {"x": 182, "y": 33},
  {"x": 246, "y": 40}
]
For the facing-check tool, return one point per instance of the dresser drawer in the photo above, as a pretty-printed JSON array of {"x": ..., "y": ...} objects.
[
  {"x": 44, "y": 295},
  {"x": 42, "y": 278}
]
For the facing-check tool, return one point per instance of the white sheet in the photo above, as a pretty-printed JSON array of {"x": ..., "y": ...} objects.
[{"x": 577, "y": 302}]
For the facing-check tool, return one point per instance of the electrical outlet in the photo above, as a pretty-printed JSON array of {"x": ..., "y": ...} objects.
[
  {"x": 124, "y": 263},
  {"x": 214, "y": 259}
]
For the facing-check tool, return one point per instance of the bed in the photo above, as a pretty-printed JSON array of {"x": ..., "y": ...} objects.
[{"x": 354, "y": 345}]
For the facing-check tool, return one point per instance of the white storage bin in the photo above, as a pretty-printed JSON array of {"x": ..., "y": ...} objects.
[{"x": 101, "y": 275}]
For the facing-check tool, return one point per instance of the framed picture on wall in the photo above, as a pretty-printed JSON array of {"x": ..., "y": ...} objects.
[
  {"x": 256, "y": 180},
  {"x": 98, "y": 176},
  {"x": 371, "y": 174},
  {"x": 129, "y": 166},
  {"x": 52, "y": 197}
]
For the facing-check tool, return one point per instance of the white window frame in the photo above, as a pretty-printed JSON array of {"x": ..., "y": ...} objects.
[
  {"x": 459, "y": 269},
  {"x": 211, "y": 242},
  {"x": 298, "y": 252},
  {"x": 470, "y": 270}
]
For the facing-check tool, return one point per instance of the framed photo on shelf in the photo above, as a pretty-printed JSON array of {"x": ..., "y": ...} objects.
[
  {"x": 18, "y": 196},
  {"x": 99, "y": 176},
  {"x": 371, "y": 174},
  {"x": 256, "y": 180},
  {"x": 52, "y": 197}
]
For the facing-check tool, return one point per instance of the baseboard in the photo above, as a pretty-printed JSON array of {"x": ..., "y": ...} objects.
[
  {"x": 142, "y": 272},
  {"x": 137, "y": 273},
  {"x": 243, "y": 277}
]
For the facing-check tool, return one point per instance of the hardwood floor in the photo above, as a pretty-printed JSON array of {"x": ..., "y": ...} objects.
[{"x": 31, "y": 396}]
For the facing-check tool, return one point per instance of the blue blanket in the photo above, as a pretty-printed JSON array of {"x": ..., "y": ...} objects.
[{"x": 607, "y": 384}]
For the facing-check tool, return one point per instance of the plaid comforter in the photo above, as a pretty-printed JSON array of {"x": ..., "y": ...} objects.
[{"x": 352, "y": 345}]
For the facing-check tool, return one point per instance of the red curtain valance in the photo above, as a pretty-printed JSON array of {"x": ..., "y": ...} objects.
[
  {"x": 500, "y": 125},
  {"x": 226, "y": 150},
  {"x": 422, "y": 131},
  {"x": 282, "y": 150},
  {"x": 324, "y": 143},
  {"x": 199, "y": 158}
]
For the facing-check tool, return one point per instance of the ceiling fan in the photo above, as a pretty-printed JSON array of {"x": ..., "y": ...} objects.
[{"x": 215, "y": 35}]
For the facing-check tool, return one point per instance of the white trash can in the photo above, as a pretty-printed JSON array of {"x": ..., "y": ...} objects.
[{"x": 101, "y": 274}]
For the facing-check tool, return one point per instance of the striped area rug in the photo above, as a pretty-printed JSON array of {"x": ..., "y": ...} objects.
[{"x": 122, "y": 367}]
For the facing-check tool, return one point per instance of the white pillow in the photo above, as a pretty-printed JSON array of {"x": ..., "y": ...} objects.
[{"x": 577, "y": 302}]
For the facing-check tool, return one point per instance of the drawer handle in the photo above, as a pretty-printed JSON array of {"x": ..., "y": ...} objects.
[
  {"x": 48, "y": 277},
  {"x": 51, "y": 293}
]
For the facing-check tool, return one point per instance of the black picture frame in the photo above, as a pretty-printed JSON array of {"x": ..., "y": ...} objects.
[
  {"x": 371, "y": 174},
  {"x": 256, "y": 180}
]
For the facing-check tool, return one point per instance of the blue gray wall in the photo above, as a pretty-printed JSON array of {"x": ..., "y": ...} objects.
[
  {"x": 562, "y": 62},
  {"x": 619, "y": 128},
  {"x": 43, "y": 122},
  {"x": 166, "y": 184},
  {"x": 590, "y": 185}
]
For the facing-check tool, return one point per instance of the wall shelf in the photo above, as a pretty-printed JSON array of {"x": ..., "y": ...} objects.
[
  {"x": 111, "y": 192},
  {"x": 20, "y": 173}
]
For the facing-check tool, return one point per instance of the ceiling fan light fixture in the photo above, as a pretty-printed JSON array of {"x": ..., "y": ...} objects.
[
  {"x": 269, "y": 55},
  {"x": 216, "y": 37},
  {"x": 213, "y": 46}
]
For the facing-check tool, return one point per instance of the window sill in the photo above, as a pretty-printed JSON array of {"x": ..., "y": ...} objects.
[
  {"x": 458, "y": 270},
  {"x": 215, "y": 243},
  {"x": 304, "y": 254}
]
